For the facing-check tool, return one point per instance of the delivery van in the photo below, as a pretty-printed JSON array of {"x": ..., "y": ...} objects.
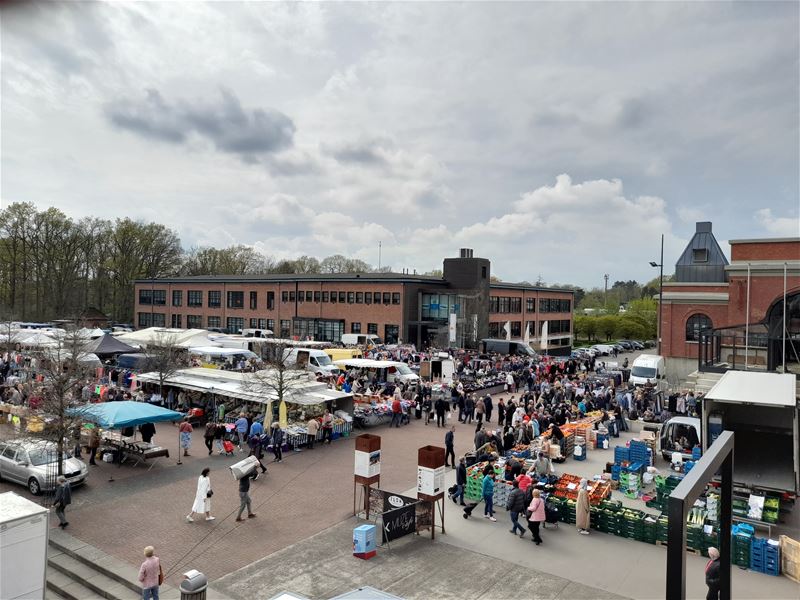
[
  {"x": 361, "y": 339},
  {"x": 342, "y": 353},
  {"x": 648, "y": 368},
  {"x": 514, "y": 347},
  {"x": 311, "y": 359}
]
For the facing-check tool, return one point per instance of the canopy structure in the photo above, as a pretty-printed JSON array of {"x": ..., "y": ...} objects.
[
  {"x": 90, "y": 333},
  {"x": 115, "y": 415},
  {"x": 245, "y": 386},
  {"x": 182, "y": 338},
  {"x": 748, "y": 387},
  {"x": 108, "y": 345},
  {"x": 38, "y": 340}
]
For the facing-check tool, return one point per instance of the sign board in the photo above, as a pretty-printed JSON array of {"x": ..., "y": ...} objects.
[
  {"x": 399, "y": 522},
  {"x": 392, "y": 501},
  {"x": 430, "y": 481},
  {"x": 474, "y": 328},
  {"x": 368, "y": 464},
  {"x": 452, "y": 326}
]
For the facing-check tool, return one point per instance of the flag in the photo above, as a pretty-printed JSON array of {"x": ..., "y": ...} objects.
[
  {"x": 544, "y": 335},
  {"x": 527, "y": 337},
  {"x": 507, "y": 329}
]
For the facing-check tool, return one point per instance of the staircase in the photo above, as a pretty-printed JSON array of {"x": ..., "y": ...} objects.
[
  {"x": 702, "y": 381},
  {"x": 77, "y": 571}
]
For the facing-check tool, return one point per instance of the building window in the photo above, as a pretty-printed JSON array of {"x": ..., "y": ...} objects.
[
  {"x": 696, "y": 324},
  {"x": 552, "y": 305},
  {"x": 270, "y": 300},
  {"x": 286, "y": 328},
  {"x": 556, "y": 326},
  {"x": 253, "y": 323},
  {"x": 483, "y": 272},
  {"x": 368, "y": 298},
  {"x": 159, "y": 320},
  {"x": 301, "y": 296},
  {"x": 235, "y": 324},
  {"x": 505, "y": 305},
  {"x": 175, "y": 321},
  {"x": 372, "y": 328},
  {"x": 214, "y": 299},
  {"x": 342, "y": 297},
  {"x": 145, "y": 319},
  {"x": 396, "y": 298},
  {"x": 235, "y": 300},
  {"x": 325, "y": 296},
  {"x": 262, "y": 323},
  {"x": 214, "y": 322},
  {"x": 355, "y": 327},
  {"x": 194, "y": 298},
  {"x": 253, "y": 300},
  {"x": 516, "y": 329},
  {"x": 359, "y": 297},
  {"x": 308, "y": 296},
  {"x": 194, "y": 321},
  {"x": 351, "y": 297},
  {"x": 316, "y": 296},
  {"x": 333, "y": 297},
  {"x": 160, "y": 297},
  {"x": 700, "y": 255},
  {"x": 271, "y": 325},
  {"x": 494, "y": 330},
  {"x": 284, "y": 296},
  {"x": 376, "y": 297},
  {"x": 530, "y": 304},
  {"x": 387, "y": 297},
  {"x": 177, "y": 297},
  {"x": 392, "y": 334},
  {"x": 145, "y": 297}
]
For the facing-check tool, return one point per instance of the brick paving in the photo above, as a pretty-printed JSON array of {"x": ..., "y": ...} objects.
[{"x": 305, "y": 494}]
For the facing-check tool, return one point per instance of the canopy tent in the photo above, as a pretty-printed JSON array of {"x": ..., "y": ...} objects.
[
  {"x": 108, "y": 345},
  {"x": 38, "y": 340},
  {"x": 244, "y": 386},
  {"x": 182, "y": 338},
  {"x": 115, "y": 415},
  {"x": 748, "y": 387}
]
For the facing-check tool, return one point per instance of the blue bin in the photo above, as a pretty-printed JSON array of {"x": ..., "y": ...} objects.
[{"x": 364, "y": 542}]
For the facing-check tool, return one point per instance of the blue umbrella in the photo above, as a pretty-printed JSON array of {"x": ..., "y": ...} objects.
[{"x": 115, "y": 415}]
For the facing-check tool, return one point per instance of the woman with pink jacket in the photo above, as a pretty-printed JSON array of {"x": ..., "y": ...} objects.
[{"x": 536, "y": 516}]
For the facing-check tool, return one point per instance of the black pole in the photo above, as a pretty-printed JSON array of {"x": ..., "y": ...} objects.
[
  {"x": 725, "y": 522},
  {"x": 660, "y": 292}
]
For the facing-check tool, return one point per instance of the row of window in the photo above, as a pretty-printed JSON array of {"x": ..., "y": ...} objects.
[
  {"x": 553, "y": 326},
  {"x": 512, "y": 305},
  {"x": 194, "y": 298},
  {"x": 330, "y": 330},
  {"x": 341, "y": 297}
]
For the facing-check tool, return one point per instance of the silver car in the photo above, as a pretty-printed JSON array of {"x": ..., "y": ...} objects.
[{"x": 33, "y": 463}]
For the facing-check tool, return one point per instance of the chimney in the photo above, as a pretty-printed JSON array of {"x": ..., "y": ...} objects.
[
  {"x": 465, "y": 253},
  {"x": 703, "y": 227}
]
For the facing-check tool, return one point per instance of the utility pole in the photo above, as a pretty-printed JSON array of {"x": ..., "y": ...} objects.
[
  {"x": 605, "y": 292},
  {"x": 379, "y": 255}
]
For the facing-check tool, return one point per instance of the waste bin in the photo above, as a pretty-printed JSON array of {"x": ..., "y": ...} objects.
[{"x": 193, "y": 586}]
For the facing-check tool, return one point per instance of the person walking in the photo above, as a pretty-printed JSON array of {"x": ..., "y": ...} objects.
[
  {"x": 501, "y": 412},
  {"x": 449, "y": 443},
  {"x": 397, "y": 412},
  {"x": 244, "y": 498},
  {"x": 208, "y": 436},
  {"x": 461, "y": 481},
  {"x": 148, "y": 430},
  {"x": 62, "y": 500},
  {"x": 202, "y": 497},
  {"x": 94, "y": 444},
  {"x": 150, "y": 574},
  {"x": 487, "y": 402},
  {"x": 712, "y": 574},
  {"x": 241, "y": 426},
  {"x": 277, "y": 441},
  {"x": 582, "y": 509},
  {"x": 441, "y": 408},
  {"x": 312, "y": 427},
  {"x": 536, "y": 515},
  {"x": 219, "y": 435},
  {"x": 427, "y": 407},
  {"x": 487, "y": 491},
  {"x": 327, "y": 427},
  {"x": 480, "y": 409},
  {"x": 186, "y": 435},
  {"x": 515, "y": 505},
  {"x": 469, "y": 408}
]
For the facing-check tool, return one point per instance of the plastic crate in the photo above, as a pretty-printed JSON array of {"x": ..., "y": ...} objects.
[{"x": 621, "y": 454}]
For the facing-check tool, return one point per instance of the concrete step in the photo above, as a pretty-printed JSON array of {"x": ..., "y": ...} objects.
[
  {"x": 99, "y": 585},
  {"x": 50, "y": 594},
  {"x": 69, "y": 589}
]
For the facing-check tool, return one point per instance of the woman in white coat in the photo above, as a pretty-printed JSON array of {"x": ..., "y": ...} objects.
[{"x": 202, "y": 499}]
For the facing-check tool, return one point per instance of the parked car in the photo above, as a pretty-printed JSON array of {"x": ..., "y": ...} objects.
[
  {"x": 637, "y": 345},
  {"x": 649, "y": 344},
  {"x": 626, "y": 344},
  {"x": 34, "y": 463},
  {"x": 604, "y": 349}
]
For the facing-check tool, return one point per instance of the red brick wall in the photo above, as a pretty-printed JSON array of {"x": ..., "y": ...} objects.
[
  {"x": 745, "y": 251},
  {"x": 674, "y": 317}
]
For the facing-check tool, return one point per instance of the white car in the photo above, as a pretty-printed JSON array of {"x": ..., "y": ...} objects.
[
  {"x": 604, "y": 349},
  {"x": 33, "y": 463}
]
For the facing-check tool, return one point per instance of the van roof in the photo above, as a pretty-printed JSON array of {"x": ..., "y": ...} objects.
[{"x": 647, "y": 359}]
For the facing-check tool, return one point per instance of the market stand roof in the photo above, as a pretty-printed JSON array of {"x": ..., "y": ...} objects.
[
  {"x": 237, "y": 385},
  {"x": 366, "y": 363},
  {"x": 748, "y": 387},
  {"x": 183, "y": 338},
  {"x": 124, "y": 413},
  {"x": 108, "y": 344}
]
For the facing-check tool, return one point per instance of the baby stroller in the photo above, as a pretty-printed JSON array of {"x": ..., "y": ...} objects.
[
  {"x": 551, "y": 514},
  {"x": 469, "y": 508}
]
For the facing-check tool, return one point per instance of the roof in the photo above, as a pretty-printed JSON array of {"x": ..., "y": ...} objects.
[
  {"x": 774, "y": 240},
  {"x": 183, "y": 338},
  {"x": 218, "y": 351},
  {"x": 366, "y": 363},
  {"x": 289, "y": 277},
  {"x": 108, "y": 344},
  {"x": 13, "y": 507},
  {"x": 506, "y": 285},
  {"x": 747, "y": 387},
  {"x": 710, "y": 270}
]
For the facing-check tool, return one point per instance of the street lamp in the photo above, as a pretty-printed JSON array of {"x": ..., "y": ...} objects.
[{"x": 660, "y": 265}]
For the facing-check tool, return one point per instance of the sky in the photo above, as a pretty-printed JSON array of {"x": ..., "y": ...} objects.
[{"x": 559, "y": 140}]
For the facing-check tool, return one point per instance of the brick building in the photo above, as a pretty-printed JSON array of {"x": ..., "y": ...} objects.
[
  {"x": 705, "y": 322},
  {"x": 394, "y": 306}
]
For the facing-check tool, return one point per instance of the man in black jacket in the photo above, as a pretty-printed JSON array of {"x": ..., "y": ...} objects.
[
  {"x": 461, "y": 481},
  {"x": 712, "y": 574},
  {"x": 449, "y": 441},
  {"x": 441, "y": 408},
  {"x": 516, "y": 506},
  {"x": 487, "y": 403},
  {"x": 62, "y": 500}
]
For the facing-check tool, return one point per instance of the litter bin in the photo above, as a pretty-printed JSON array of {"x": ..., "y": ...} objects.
[{"x": 193, "y": 586}]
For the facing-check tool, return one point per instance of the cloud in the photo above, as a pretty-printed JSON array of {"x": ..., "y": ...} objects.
[
  {"x": 779, "y": 226},
  {"x": 690, "y": 215},
  {"x": 363, "y": 151},
  {"x": 226, "y": 124}
]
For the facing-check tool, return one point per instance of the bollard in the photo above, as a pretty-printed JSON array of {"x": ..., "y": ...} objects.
[{"x": 193, "y": 586}]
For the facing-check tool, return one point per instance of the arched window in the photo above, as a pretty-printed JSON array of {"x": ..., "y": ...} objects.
[{"x": 694, "y": 325}]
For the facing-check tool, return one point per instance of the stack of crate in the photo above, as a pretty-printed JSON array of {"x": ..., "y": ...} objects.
[
  {"x": 640, "y": 452},
  {"x": 765, "y": 556},
  {"x": 742, "y": 540}
]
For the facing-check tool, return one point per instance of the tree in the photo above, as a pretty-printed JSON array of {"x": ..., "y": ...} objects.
[
  {"x": 164, "y": 357},
  {"x": 607, "y": 325},
  {"x": 644, "y": 315},
  {"x": 281, "y": 380},
  {"x": 233, "y": 260},
  {"x": 434, "y": 273}
]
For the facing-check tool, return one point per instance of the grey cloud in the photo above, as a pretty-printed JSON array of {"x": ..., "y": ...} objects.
[
  {"x": 226, "y": 124},
  {"x": 363, "y": 151}
]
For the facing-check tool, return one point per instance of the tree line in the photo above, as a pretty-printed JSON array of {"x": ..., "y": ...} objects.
[
  {"x": 53, "y": 266},
  {"x": 638, "y": 322}
]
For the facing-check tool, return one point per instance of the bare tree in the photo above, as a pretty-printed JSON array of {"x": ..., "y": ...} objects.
[
  {"x": 281, "y": 380},
  {"x": 164, "y": 357}
]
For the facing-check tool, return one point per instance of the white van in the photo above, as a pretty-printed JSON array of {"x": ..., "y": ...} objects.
[
  {"x": 385, "y": 370},
  {"x": 648, "y": 368},
  {"x": 360, "y": 339},
  {"x": 311, "y": 359}
]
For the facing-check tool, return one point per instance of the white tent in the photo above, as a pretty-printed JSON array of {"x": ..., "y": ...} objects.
[
  {"x": 37, "y": 340},
  {"x": 183, "y": 338},
  {"x": 91, "y": 334}
]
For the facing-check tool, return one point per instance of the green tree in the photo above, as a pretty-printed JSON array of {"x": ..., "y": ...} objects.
[{"x": 607, "y": 325}]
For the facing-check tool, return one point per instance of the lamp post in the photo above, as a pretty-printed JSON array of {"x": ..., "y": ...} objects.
[{"x": 660, "y": 265}]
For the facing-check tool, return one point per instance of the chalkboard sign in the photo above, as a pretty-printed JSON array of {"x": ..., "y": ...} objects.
[{"x": 399, "y": 522}]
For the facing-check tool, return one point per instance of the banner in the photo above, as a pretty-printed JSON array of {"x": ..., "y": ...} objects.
[
  {"x": 452, "y": 327},
  {"x": 527, "y": 337},
  {"x": 544, "y": 335},
  {"x": 507, "y": 329},
  {"x": 399, "y": 522}
]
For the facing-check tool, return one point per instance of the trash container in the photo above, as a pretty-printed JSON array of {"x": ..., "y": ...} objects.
[{"x": 193, "y": 586}]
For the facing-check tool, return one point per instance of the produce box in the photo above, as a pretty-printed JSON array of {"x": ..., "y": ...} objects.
[{"x": 790, "y": 558}]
